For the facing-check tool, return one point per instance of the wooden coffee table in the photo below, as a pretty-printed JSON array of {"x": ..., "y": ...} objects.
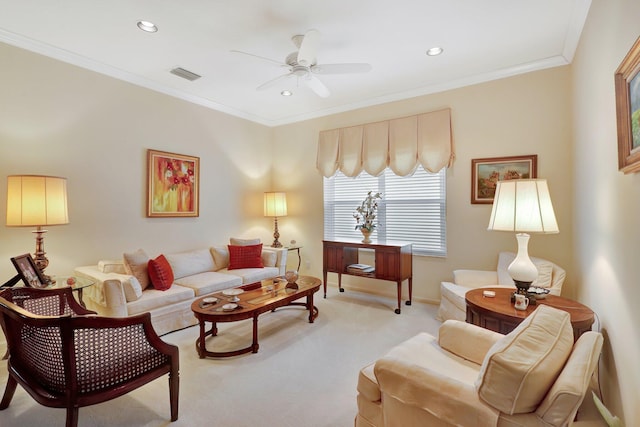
[
  {"x": 252, "y": 303},
  {"x": 499, "y": 314}
]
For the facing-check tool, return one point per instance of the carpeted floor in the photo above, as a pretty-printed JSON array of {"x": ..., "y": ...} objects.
[{"x": 304, "y": 375}]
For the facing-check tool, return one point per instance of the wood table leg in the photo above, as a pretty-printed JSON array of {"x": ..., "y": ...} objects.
[
  {"x": 408, "y": 302},
  {"x": 324, "y": 283},
  {"x": 340, "y": 282},
  {"x": 399, "y": 285},
  {"x": 255, "y": 346},
  {"x": 200, "y": 342}
]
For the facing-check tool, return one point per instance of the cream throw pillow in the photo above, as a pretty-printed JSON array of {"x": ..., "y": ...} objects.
[
  {"x": 135, "y": 264},
  {"x": 243, "y": 242},
  {"x": 220, "y": 257},
  {"x": 269, "y": 258},
  {"x": 520, "y": 368}
]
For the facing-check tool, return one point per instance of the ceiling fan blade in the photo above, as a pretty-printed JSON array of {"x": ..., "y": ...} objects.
[
  {"x": 341, "y": 68},
  {"x": 317, "y": 86},
  {"x": 258, "y": 56},
  {"x": 274, "y": 82},
  {"x": 308, "y": 48}
]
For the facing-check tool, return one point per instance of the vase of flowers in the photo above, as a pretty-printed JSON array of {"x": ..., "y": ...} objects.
[{"x": 366, "y": 214}]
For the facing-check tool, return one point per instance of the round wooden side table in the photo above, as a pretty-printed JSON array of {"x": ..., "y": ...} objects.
[{"x": 499, "y": 314}]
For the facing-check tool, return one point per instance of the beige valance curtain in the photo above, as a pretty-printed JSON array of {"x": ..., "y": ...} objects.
[{"x": 400, "y": 144}]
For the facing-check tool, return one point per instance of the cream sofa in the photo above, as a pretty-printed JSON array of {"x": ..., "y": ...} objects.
[
  {"x": 452, "y": 302},
  {"x": 468, "y": 376},
  {"x": 196, "y": 273}
]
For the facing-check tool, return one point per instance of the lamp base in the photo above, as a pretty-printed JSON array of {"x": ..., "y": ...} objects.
[
  {"x": 276, "y": 235},
  {"x": 522, "y": 288}
]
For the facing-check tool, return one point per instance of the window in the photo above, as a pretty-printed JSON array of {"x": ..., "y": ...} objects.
[{"x": 412, "y": 209}]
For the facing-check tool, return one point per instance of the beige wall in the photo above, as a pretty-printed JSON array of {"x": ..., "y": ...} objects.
[
  {"x": 522, "y": 115},
  {"x": 60, "y": 120},
  {"x": 57, "y": 119},
  {"x": 607, "y": 203}
]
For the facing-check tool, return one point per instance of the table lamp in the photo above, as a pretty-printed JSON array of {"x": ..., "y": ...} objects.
[
  {"x": 523, "y": 206},
  {"x": 36, "y": 200},
  {"x": 275, "y": 205}
]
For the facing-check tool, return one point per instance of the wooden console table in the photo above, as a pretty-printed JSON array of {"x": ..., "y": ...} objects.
[
  {"x": 393, "y": 262},
  {"x": 499, "y": 314}
]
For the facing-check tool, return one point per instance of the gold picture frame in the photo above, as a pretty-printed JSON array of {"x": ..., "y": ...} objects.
[
  {"x": 173, "y": 185},
  {"x": 627, "y": 81},
  {"x": 485, "y": 173}
]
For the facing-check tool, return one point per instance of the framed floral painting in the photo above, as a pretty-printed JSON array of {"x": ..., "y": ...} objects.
[
  {"x": 627, "y": 80},
  {"x": 485, "y": 174},
  {"x": 173, "y": 184}
]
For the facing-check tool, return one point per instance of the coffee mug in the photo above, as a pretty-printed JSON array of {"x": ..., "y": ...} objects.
[{"x": 522, "y": 302}]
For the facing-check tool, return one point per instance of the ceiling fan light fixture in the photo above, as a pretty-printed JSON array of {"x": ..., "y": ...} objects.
[
  {"x": 286, "y": 93},
  {"x": 434, "y": 51},
  {"x": 147, "y": 26}
]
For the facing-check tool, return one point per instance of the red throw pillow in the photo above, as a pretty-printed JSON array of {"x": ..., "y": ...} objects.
[
  {"x": 245, "y": 257},
  {"x": 160, "y": 273}
]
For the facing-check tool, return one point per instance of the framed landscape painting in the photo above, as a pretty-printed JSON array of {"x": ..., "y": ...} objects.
[
  {"x": 485, "y": 174},
  {"x": 627, "y": 80},
  {"x": 173, "y": 185}
]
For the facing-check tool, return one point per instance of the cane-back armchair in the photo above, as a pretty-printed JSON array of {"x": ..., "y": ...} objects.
[{"x": 66, "y": 357}]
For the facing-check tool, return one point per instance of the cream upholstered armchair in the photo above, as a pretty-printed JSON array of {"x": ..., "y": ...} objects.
[
  {"x": 469, "y": 376},
  {"x": 452, "y": 303}
]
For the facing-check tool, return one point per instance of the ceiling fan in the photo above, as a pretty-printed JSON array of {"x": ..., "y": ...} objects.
[{"x": 303, "y": 65}]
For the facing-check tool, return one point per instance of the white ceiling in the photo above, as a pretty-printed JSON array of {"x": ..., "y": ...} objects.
[{"x": 482, "y": 40}]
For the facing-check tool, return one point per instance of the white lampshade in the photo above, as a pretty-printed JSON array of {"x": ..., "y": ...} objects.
[
  {"x": 275, "y": 204},
  {"x": 523, "y": 206},
  {"x": 34, "y": 200}
]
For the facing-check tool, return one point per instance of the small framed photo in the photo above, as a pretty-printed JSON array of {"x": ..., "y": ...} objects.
[
  {"x": 29, "y": 273},
  {"x": 173, "y": 184},
  {"x": 627, "y": 80},
  {"x": 485, "y": 174}
]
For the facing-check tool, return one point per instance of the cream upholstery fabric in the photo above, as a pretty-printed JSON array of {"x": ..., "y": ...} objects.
[
  {"x": 209, "y": 282},
  {"x": 519, "y": 370},
  {"x": 401, "y": 144},
  {"x": 220, "y": 257},
  {"x": 452, "y": 303},
  {"x": 243, "y": 242},
  {"x": 428, "y": 382},
  {"x": 112, "y": 266}
]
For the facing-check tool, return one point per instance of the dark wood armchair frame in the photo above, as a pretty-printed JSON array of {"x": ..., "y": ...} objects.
[{"x": 65, "y": 357}]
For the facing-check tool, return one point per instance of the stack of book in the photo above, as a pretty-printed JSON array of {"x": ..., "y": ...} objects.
[{"x": 360, "y": 269}]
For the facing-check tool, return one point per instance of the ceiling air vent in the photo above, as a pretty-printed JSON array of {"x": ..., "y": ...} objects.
[{"x": 185, "y": 74}]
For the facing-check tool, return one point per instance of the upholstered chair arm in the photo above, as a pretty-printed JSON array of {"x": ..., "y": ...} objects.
[
  {"x": 475, "y": 278},
  {"x": 107, "y": 292},
  {"x": 468, "y": 341},
  {"x": 411, "y": 389}
]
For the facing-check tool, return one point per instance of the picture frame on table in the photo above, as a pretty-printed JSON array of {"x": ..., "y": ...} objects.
[
  {"x": 486, "y": 172},
  {"x": 173, "y": 184},
  {"x": 627, "y": 84},
  {"x": 28, "y": 271}
]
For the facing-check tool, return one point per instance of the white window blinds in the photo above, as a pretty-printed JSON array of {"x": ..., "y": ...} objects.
[{"x": 412, "y": 209}]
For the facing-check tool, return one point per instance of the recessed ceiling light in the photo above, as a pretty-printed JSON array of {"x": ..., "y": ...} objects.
[
  {"x": 286, "y": 93},
  {"x": 147, "y": 26},
  {"x": 434, "y": 51}
]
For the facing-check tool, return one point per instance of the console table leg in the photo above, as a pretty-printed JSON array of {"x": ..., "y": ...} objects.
[
  {"x": 399, "y": 285},
  {"x": 340, "y": 283},
  {"x": 324, "y": 283},
  {"x": 408, "y": 302}
]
